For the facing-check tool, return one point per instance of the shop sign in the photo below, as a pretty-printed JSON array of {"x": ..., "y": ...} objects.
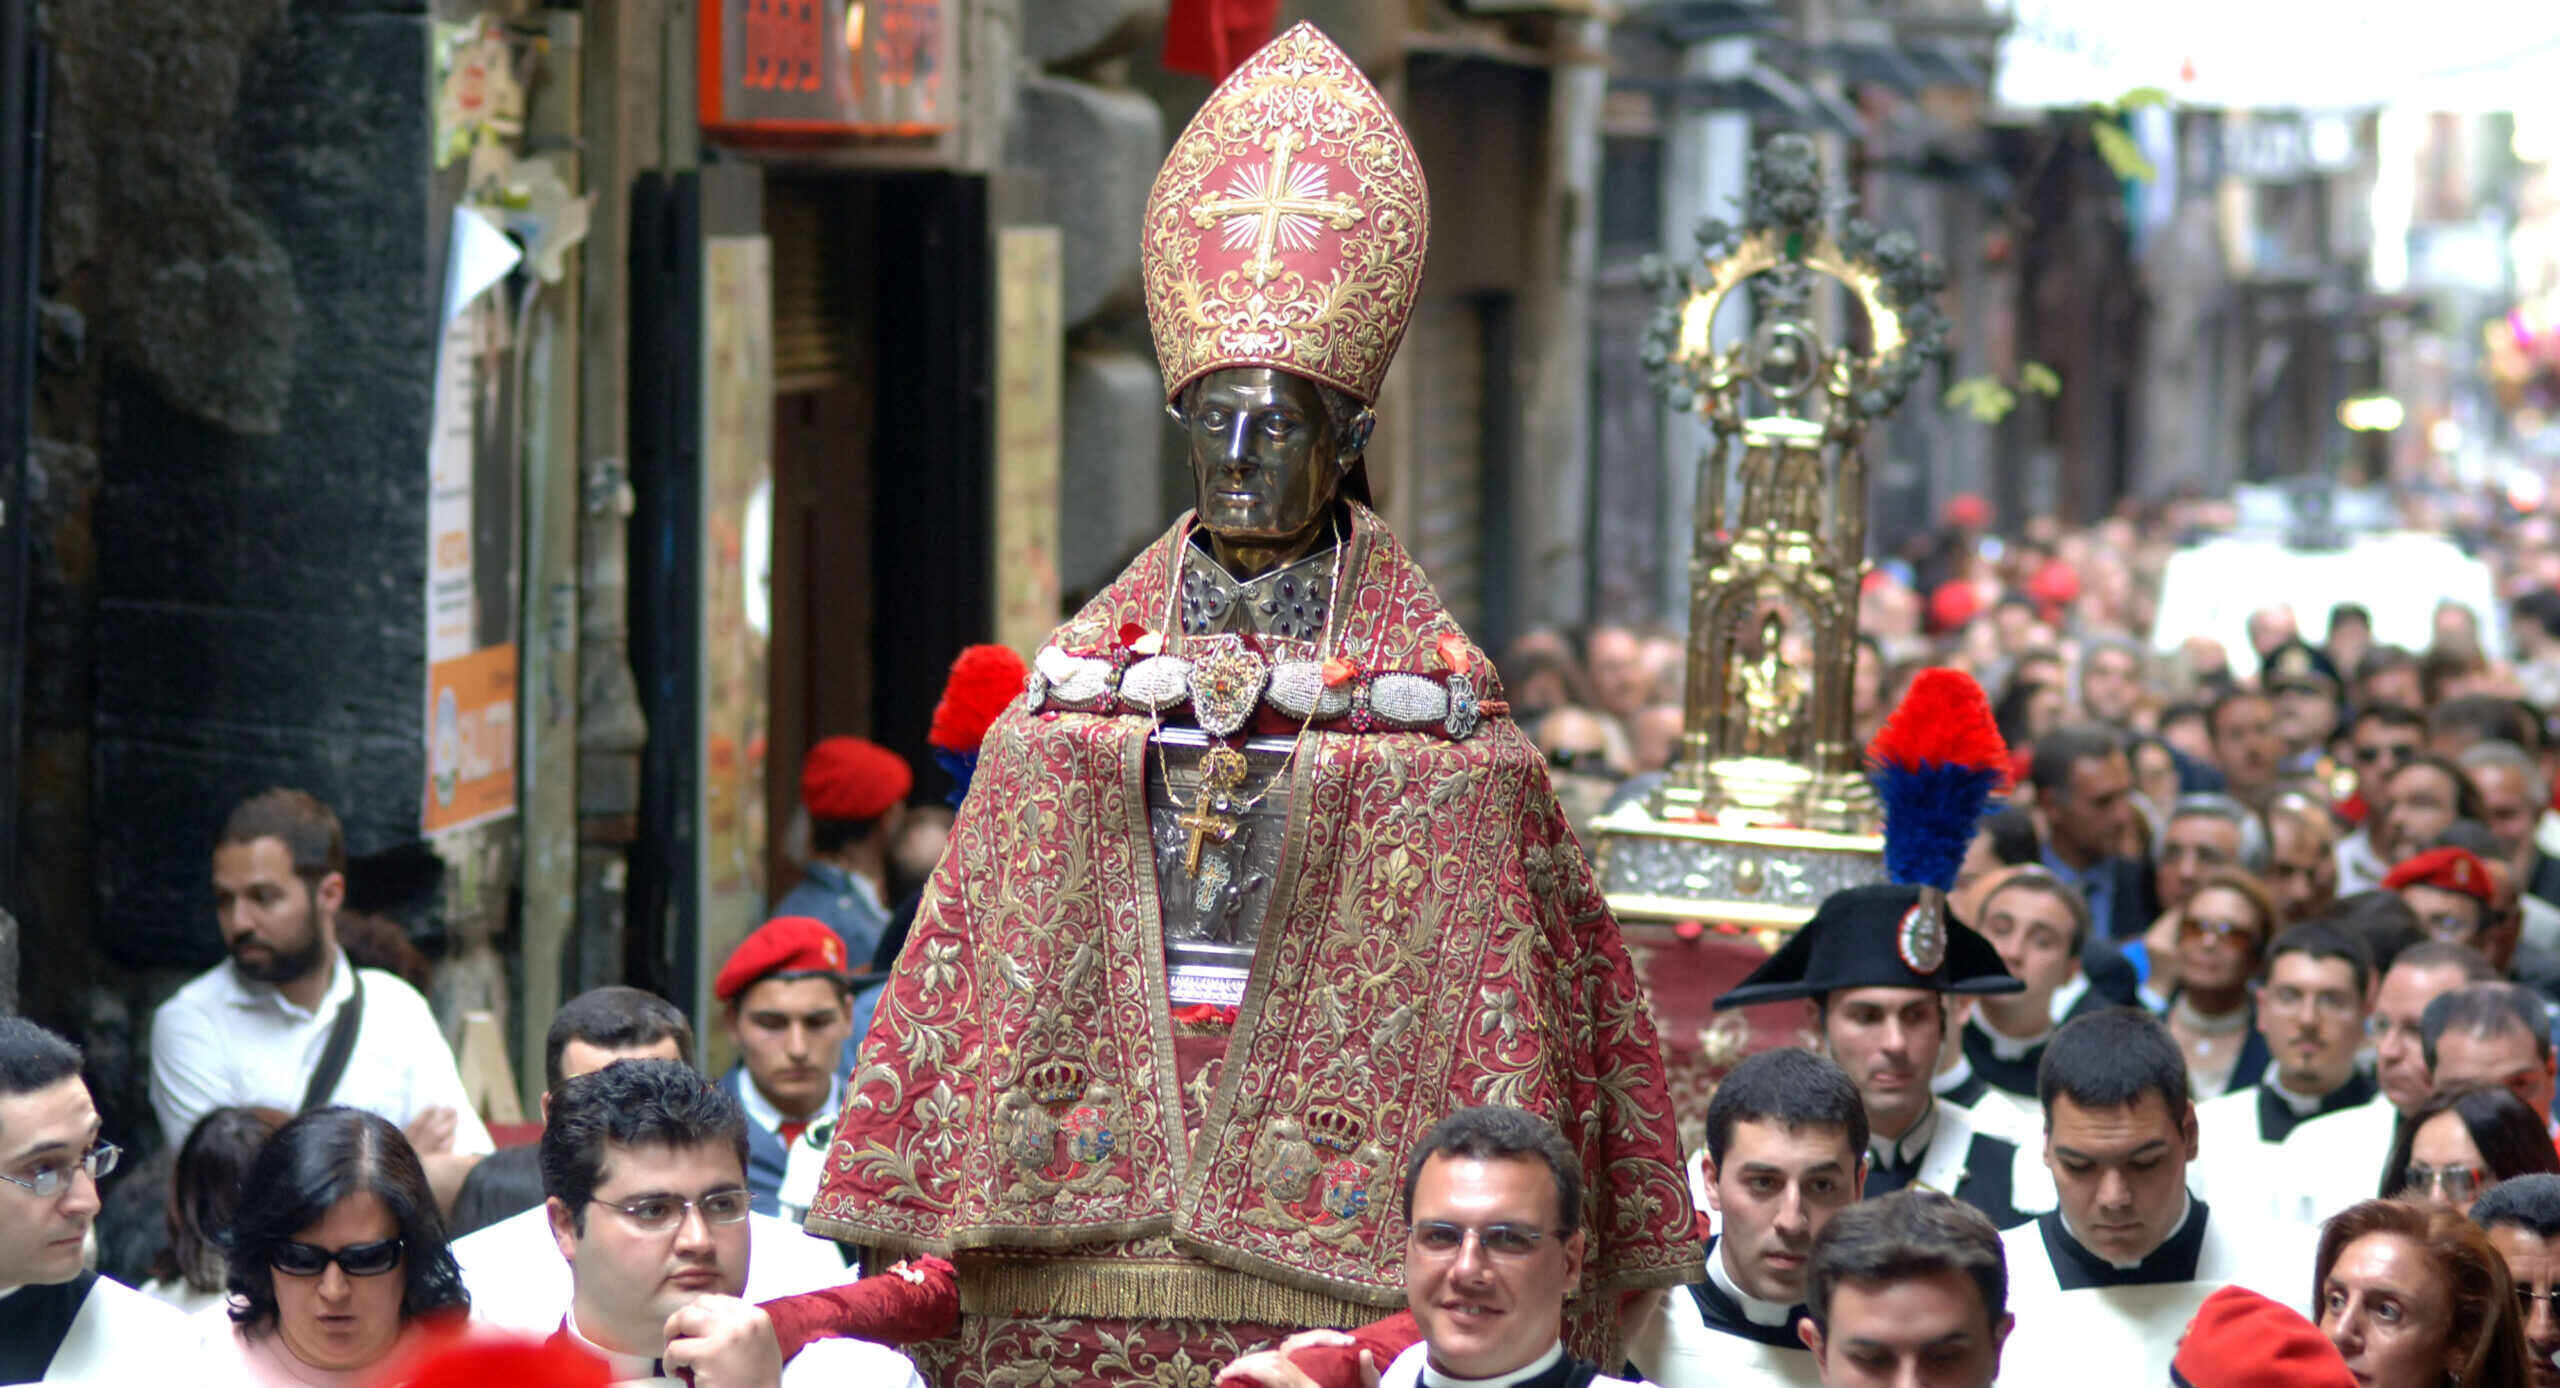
[{"x": 785, "y": 69}]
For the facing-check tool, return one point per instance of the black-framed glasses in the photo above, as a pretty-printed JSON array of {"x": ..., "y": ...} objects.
[
  {"x": 1441, "y": 1237},
  {"x": 2527, "y": 1298},
  {"x": 359, "y": 1259},
  {"x": 660, "y": 1214},
  {"x": 51, "y": 1178},
  {"x": 2400, "y": 753}
]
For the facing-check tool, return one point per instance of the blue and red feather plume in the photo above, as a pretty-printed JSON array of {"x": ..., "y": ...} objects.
[{"x": 1935, "y": 765}]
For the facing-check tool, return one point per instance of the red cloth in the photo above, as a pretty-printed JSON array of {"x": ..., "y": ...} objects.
[
  {"x": 2240, "y": 1339},
  {"x": 2447, "y": 869},
  {"x": 1213, "y": 37},
  {"x": 1338, "y": 1366},
  {"x": 849, "y": 778},
  {"x": 785, "y": 944},
  {"x": 790, "y": 1130},
  {"x": 913, "y": 1301},
  {"x": 505, "y": 1363}
]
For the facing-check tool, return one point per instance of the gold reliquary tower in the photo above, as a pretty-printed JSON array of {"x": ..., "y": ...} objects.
[{"x": 1767, "y": 809}]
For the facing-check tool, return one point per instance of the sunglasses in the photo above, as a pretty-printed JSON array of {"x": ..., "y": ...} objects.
[
  {"x": 359, "y": 1259},
  {"x": 2231, "y": 931},
  {"x": 2451, "y": 1182}
]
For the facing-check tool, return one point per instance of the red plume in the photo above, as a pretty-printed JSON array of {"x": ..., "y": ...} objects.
[
  {"x": 983, "y": 680},
  {"x": 1943, "y": 719}
]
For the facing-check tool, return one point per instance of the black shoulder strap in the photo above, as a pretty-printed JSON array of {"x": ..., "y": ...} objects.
[{"x": 342, "y": 1043}]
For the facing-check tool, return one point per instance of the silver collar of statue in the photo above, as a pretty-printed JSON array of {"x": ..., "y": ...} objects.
[{"x": 1289, "y": 602}]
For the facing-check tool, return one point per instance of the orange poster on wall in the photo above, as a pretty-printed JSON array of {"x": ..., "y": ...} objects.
[{"x": 471, "y": 738}]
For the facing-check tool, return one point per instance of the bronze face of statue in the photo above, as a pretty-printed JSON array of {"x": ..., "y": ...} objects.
[{"x": 1268, "y": 455}]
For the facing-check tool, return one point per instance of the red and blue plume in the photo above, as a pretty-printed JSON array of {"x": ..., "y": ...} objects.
[
  {"x": 1935, "y": 764},
  {"x": 983, "y": 680}
]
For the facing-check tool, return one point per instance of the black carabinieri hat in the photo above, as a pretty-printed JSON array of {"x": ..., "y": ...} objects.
[{"x": 1882, "y": 936}]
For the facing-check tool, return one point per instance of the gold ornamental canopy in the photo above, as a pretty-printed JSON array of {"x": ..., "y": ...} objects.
[{"x": 1767, "y": 808}]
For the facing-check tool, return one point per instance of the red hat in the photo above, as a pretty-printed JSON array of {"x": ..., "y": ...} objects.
[
  {"x": 2451, "y": 869},
  {"x": 783, "y": 945},
  {"x": 2240, "y": 1339},
  {"x": 1953, "y": 605},
  {"x": 849, "y": 778}
]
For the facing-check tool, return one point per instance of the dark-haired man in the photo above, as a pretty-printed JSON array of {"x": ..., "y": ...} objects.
[
  {"x": 2330, "y": 1162},
  {"x": 2521, "y": 1216},
  {"x": 260, "y": 1029},
  {"x": 2311, "y": 1008},
  {"x": 516, "y": 1278},
  {"x": 1909, "y": 1289},
  {"x": 2247, "y": 747},
  {"x": 2492, "y": 1034},
  {"x": 2382, "y": 738},
  {"x": 58, "y": 1322},
  {"x": 1786, "y": 1151},
  {"x": 2104, "y": 1284},
  {"x": 644, "y": 1167},
  {"x": 1874, "y": 966},
  {"x": 2083, "y": 805}
]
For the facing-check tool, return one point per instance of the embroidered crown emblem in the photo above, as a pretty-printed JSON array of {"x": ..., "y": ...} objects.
[
  {"x": 1329, "y": 1125},
  {"x": 1058, "y": 1082}
]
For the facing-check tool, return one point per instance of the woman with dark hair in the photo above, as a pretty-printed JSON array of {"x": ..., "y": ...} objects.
[
  {"x": 2463, "y": 1141},
  {"x": 204, "y": 1191},
  {"x": 337, "y": 1257},
  {"x": 2414, "y": 1296}
]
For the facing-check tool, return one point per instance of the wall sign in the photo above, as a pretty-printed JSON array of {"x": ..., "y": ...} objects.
[{"x": 802, "y": 68}]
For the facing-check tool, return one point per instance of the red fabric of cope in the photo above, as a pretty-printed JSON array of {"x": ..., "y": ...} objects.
[{"x": 1119, "y": 1190}]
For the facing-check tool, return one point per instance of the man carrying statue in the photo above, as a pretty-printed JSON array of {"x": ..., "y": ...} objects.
[{"x": 1258, "y": 882}]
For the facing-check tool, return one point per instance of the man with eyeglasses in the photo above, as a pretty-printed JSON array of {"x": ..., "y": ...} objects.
[
  {"x": 1495, "y": 1243},
  {"x": 2311, "y": 1009},
  {"x": 2521, "y": 1216},
  {"x": 512, "y": 1267},
  {"x": 644, "y": 1174},
  {"x": 2383, "y": 738},
  {"x": 58, "y": 1322},
  {"x": 2331, "y": 1162}
]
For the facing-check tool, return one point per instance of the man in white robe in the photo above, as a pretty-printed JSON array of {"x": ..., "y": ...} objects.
[
  {"x": 1908, "y": 1289},
  {"x": 2103, "y": 1286},
  {"x": 58, "y": 1322},
  {"x": 1786, "y": 1151},
  {"x": 2311, "y": 1009}
]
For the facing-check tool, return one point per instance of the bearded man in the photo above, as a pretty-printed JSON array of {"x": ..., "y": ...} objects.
[{"x": 1259, "y": 881}]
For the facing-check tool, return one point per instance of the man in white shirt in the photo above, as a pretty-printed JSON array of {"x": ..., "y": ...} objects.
[
  {"x": 2104, "y": 1284},
  {"x": 1912, "y": 1288},
  {"x": 57, "y": 1322},
  {"x": 1786, "y": 1151},
  {"x": 645, "y": 1183},
  {"x": 2311, "y": 1008},
  {"x": 513, "y": 1267},
  {"x": 257, "y": 1030}
]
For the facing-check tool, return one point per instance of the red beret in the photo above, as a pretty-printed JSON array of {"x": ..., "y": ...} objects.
[
  {"x": 849, "y": 778},
  {"x": 2452, "y": 869},
  {"x": 783, "y": 945},
  {"x": 2240, "y": 1339}
]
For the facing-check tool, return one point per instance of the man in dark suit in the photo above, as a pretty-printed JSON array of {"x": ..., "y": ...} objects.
[{"x": 2083, "y": 806}]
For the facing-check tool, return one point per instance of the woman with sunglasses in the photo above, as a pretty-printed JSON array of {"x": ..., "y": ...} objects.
[
  {"x": 2222, "y": 934},
  {"x": 338, "y": 1265},
  {"x": 2463, "y": 1141}
]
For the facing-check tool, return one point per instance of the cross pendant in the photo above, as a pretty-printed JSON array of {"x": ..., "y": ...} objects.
[{"x": 1222, "y": 771}]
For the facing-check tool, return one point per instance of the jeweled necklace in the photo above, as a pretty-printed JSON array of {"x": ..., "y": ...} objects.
[
  {"x": 2209, "y": 1030},
  {"x": 1214, "y": 812}
]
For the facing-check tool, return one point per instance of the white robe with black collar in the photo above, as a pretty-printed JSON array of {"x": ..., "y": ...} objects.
[
  {"x": 92, "y": 1329},
  {"x": 1704, "y": 1338}
]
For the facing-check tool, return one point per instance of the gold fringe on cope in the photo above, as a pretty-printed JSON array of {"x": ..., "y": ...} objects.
[{"x": 1108, "y": 1289}]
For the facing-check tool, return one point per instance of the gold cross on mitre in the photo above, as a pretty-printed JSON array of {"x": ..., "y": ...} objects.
[{"x": 1276, "y": 207}]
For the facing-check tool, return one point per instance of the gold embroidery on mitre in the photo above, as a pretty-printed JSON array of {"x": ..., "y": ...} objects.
[{"x": 1288, "y": 225}]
